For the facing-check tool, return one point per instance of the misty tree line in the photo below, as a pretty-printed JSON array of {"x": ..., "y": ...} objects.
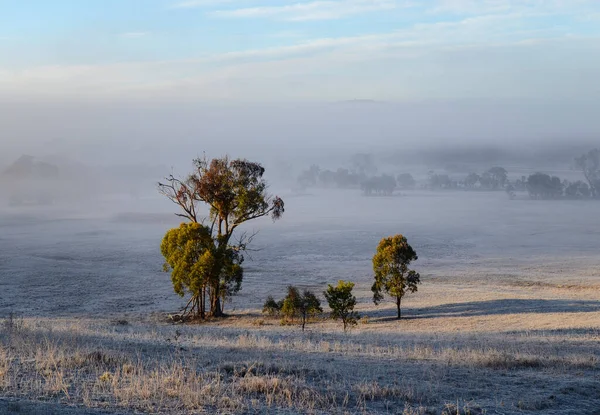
[
  {"x": 538, "y": 185},
  {"x": 343, "y": 178},
  {"x": 205, "y": 255},
  {"x": 361, "y": 174}
]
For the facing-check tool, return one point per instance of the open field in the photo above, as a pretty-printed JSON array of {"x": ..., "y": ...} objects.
[
  {"x": 507, "y": 320},
  {"x": 494, "y": 349}
]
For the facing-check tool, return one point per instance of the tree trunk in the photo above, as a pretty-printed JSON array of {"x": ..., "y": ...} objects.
[
  {"x": 215, "y": 309},
  {"x": 398, "y": 301},
  {"x": 202, "y": 304}
]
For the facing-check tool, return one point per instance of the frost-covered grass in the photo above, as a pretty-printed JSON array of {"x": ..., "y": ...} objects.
[{"x": 475, "y": 349}]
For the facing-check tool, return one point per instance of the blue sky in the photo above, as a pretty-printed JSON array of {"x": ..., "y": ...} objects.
[{"x": 247, "y": 50}]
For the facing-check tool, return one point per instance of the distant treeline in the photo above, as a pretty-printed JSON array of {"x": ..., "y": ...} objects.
[
  {"x": 343, "y": 178},
  {"x": 539, "y": 185}
]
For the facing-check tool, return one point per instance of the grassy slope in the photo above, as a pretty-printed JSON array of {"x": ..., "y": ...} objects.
[{"x": 500, "y": 346}]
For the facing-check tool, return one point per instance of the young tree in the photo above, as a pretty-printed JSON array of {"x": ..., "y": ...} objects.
[
  {"x": 342, "y": 302},
  {"x": 272, "y": 307},
  {"x": 309, "y": 306},
  {"x": 235, "y": 192},
  {"x": 392, "y": 275},
  {"x": 291, "y": 303},
  {"x": 303, "y": 306}
]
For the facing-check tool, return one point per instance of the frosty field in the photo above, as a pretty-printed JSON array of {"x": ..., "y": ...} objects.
[{"x": 507, "y": 319}]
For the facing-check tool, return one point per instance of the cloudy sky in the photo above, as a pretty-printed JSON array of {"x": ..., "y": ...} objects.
[{"x": 279, "y": 50}]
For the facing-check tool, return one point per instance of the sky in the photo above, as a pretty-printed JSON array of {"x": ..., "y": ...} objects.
[{"x": 298, "y": 51}]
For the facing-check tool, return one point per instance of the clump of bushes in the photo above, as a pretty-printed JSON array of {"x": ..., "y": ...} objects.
[
  {"x": 272, "y": 307},
  {"x": 294, "y": 305},
  {"x": 306, "y": 305}
]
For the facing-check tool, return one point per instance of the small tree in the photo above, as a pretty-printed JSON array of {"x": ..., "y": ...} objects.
[
  {"x": 291, "y": 303},
  {"x": 342, "y": 302},
  {"x": 309, "y": 306},
  {"x": 392, "y": 275},
  {"x": 272, "y": 307},
  {"x": 296, "y": 305}
]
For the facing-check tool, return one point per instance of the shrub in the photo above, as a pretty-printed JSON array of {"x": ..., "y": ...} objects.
[
  {"x": 342, "y": 302},
  {"x": 272, "y": 307},
  {"x": 294, "y": 305}
]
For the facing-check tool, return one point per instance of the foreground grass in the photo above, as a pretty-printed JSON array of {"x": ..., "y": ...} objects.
[
  {"x": 248, "y": 364},
  {"x": 464, "y": 348}
]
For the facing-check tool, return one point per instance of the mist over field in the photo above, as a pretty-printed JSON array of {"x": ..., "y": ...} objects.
[{"x": 169, "y": 133}]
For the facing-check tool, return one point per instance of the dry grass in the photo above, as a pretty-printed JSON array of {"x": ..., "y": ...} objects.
[{"x": 488, "y": 350}]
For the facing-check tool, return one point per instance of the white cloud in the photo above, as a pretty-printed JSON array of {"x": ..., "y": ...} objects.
[
  {"x": 475, "y": 7},
  {"x": 314, "y": 10}
]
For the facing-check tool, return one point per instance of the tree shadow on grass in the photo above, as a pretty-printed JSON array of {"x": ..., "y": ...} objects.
[
  {"x": 580, "y": 332},
  {"x": 492, "y": 307}
]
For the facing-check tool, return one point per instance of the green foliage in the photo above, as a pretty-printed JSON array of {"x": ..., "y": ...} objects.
[
  {"x": 309, "y": 306},
  {"x": 192, "y": 258},
  {"x": 390, "y": 265},
  {"x": 272, "y": 307},
  {"x": 291, "y": 303},
  {"x": 342, "y": 302},
  {"x": 188, "y": 256},
  {"x": 294, "y": 305},
  {"x": 235, "y": 193}
]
